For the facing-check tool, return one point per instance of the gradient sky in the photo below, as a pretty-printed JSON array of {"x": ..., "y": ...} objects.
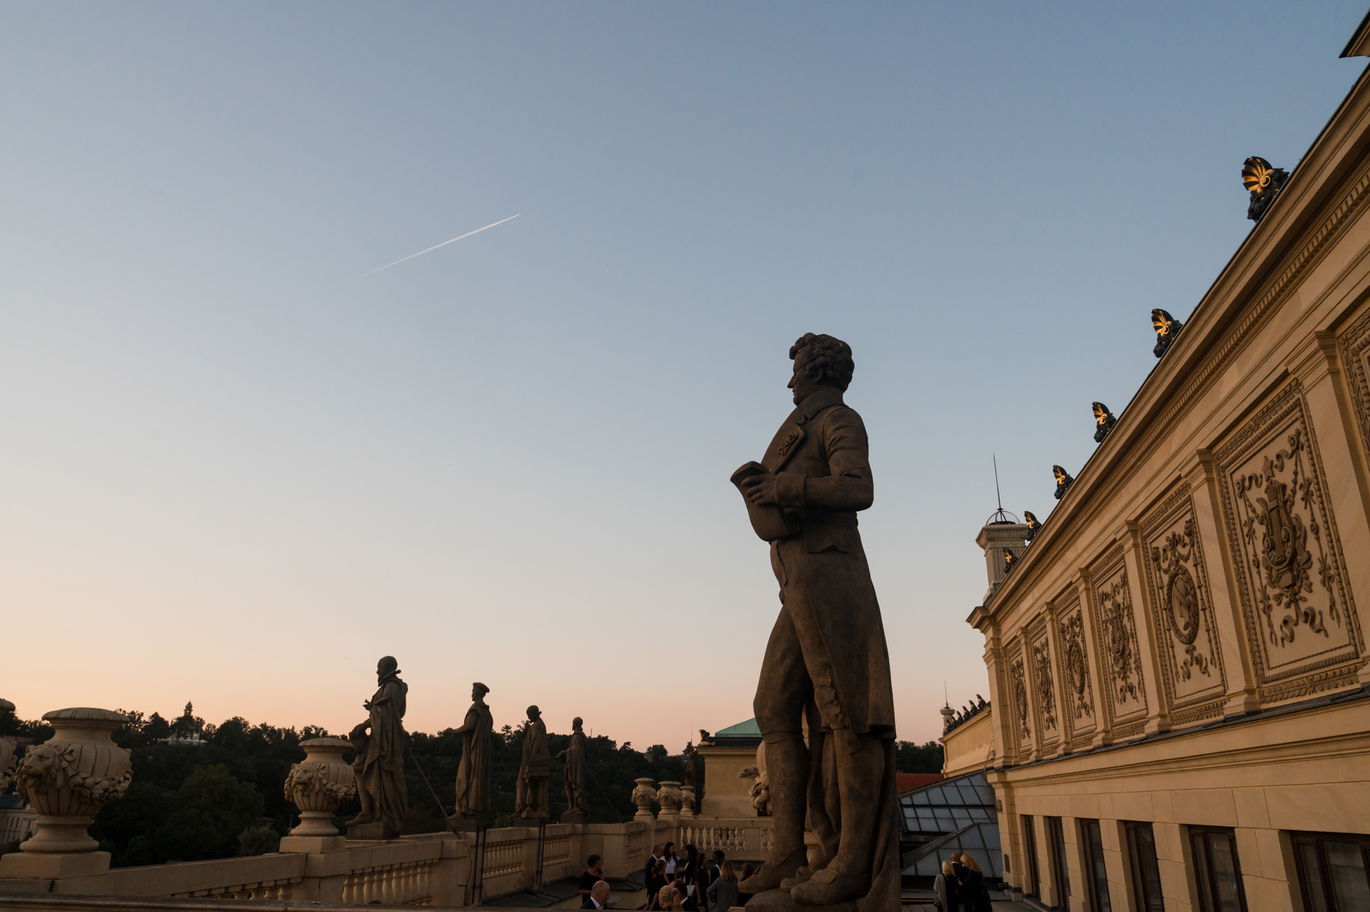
[{"x": 236, "y": 471}]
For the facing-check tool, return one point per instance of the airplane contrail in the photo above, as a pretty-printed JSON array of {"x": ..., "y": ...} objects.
[{"x": 443, "y": 244}]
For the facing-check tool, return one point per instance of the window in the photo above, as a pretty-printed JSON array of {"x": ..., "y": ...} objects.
[
  {"x": 1096, "y": 877},
  {"x": 1217, "y": 874},
  {"x": 1334, "y": 871},
  {"x": 1142, "y": 868},
  {"x": 1030, "y": 850},
  {"x": 1056, "y": 841}
]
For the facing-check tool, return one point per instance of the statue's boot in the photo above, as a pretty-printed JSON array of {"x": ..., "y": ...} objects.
[
  {"x": 787, "y": 766},
  {"x": 848, "y": 875}
]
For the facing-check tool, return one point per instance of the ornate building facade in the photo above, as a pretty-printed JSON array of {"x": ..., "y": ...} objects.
[{"x": 1178, "y": 659}]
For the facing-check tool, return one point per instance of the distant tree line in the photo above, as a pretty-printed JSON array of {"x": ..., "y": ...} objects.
[{"x": 225, "y": 797}]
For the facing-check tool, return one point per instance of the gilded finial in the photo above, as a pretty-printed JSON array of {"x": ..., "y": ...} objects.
[
  {"x": 1103, "y": 422},
  {"x": 1034, "y": 525},
  {"x": 1264, "y": 181},
  {"x": 1010, "y": 560},
  {"x": 1063, "y": 480},
  {"x": 1167, "y": 328}
]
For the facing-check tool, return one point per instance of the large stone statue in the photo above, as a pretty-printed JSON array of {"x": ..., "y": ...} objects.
[
  {"x": 573, "y": 774},
  {"x": 530, "y": 797},
  {"x": 826, "y": 670},
  {"x": 473, "y": 773},
  {"x": 379, "y": 743}
]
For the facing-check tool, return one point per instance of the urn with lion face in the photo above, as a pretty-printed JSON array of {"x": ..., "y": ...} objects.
[
  {"x": 319, "y": 783},
  {"x": 70, "y": 777}
]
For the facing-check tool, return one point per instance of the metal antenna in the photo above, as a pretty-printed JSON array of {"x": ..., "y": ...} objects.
[
  {"x": 997, "y": 496},
  {"x": 1000, "y": 515},
  {"x": 946, "y": 698}
]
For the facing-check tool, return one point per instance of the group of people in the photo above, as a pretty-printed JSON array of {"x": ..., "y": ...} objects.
[
  {"x": 694, "y": 882},
  {"x": 960, "y": 887}
]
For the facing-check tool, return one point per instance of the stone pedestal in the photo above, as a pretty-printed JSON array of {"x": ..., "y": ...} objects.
[
  {"x": 68, "y": 780},
  {"x": 374, "y": 830},
  {"x": 780, "y": 901},
  {"x": 312, "y": 845},
  {"x": 466, "y": 822}
]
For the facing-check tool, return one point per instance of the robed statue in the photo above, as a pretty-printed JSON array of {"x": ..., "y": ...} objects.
[
  {"x": 573, "y": 774},
  {"x": 379, "y": 743},
  {"x": 824, "y": 702},
  {"x": 530, "y": 795},
  {"x": 473, "y": 773}
]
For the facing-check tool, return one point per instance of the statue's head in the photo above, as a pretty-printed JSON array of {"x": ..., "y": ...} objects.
[
  {"x": 478, "y": 690},
  {"x": 387, "y": 666},
  {"x": 576, "y": 723},
  {"x": 533, "y": 713},
  {"x": 820, "y": 360}
]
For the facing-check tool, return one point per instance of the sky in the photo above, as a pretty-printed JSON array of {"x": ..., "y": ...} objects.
[{"x": 240, "y": 464}]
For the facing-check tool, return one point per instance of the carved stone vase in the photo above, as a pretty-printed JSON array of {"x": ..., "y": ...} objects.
[
  {"x": 687, "y": 801},
  {"x": 668, "y": 796},
  {"x": 643, "y": 796},
  {"x": 69, "y": 778},
  {"x": 319, "y": 783}
]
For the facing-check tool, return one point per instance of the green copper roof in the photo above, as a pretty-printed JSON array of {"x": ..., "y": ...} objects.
[{"x": 748, "y": 729}]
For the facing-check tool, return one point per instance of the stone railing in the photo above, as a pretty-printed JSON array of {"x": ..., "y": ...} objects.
[{"x": 744, "y": 838}]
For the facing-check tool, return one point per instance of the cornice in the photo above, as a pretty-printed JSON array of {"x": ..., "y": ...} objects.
[{"x": 1290, "y": 239}]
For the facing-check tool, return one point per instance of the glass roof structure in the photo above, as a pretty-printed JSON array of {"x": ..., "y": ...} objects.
[{"x": 954, "y": 815}]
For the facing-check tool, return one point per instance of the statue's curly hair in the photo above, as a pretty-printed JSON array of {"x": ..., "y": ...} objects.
[{"x": 829, "y": 357}]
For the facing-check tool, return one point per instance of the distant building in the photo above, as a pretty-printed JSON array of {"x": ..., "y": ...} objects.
[
  {"x": 188, "y": 729},
  {"x": 726, "y": 754},
  {"x": 1177, "y": 661}
]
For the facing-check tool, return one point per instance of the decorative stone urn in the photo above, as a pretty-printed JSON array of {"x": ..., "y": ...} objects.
[
  {"x": 643, "y": 796},
  {"x": 668, "y": 795},
  {"x": 67, "y": 780},
  {"x": 687, "y": 801},
  {"x": 319, "y": 783}
]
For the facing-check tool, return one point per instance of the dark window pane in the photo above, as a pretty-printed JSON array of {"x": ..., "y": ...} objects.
[{"x": 1346, "y": 869}]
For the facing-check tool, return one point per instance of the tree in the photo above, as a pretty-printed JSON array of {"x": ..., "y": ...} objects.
[{"x": 918, "y": 758}]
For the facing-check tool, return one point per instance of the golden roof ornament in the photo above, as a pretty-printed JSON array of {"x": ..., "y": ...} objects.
[
  {"x": 1264, "y": 181},
  {"x": 1063, "y": 480},
  {"x": 1167, "y": 328},
  {"x": 1103, "y": 422},
  {"x": 1034, "y": 525},
  {"x": 1010, "y": 560}
]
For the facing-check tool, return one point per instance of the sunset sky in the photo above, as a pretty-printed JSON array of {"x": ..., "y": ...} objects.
[{"x": 238, "y": 468}]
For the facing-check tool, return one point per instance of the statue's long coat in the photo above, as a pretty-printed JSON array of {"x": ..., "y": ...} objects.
[
  {"x": 820, "y": 457},
  {"x": 473, "y": 773},
  {"x": 382, "y": 764}
]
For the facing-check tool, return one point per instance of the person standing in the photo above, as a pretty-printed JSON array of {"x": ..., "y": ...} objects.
[
  {"x": 723, "y": 893},
  {"x": 593, "y": 872},
  {"x": 827, "y": 661},
  {"x": 944, "y": 886}
]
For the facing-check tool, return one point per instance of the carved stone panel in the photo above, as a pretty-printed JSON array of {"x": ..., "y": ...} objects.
[
  {"x": 1077, "y": 696},
  {"x": 1044, "y": 689},
  {"x": 1182, "y": 607},
  {"x": 1116, "y": 629},
  {"x": 1355, "y": 356},
  {"x": 1019, "y": 700},
  {"x": 1290, "y": 572}
]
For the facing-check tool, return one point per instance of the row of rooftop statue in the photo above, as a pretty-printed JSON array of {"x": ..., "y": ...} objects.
[{"x": 379, "y": 742}]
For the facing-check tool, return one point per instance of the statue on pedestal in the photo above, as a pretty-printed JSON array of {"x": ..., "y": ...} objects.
[
  {"x": 530, "y": 797},
  {"x": 473, "y": 773},
  {"x": 826, "y": 667},
  {"x": 379, "y": 765},
  {"x": 573, "y": 774}
]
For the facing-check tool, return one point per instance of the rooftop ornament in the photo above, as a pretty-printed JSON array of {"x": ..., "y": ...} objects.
[
  {"x": 1103, "y": 422},
  {"x": 1264, "y": 181},
  {"x": 1033, "y": 523},
  {"x": 1167, "y": 328},
  {"x": 1010, "y": 560},
  {"x": 1063, "y": 480}
]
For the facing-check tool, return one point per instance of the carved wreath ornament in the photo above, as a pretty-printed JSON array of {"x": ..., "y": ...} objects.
[
  {"x": 53, "y": 767},
  {"x": 1020, "y": 695},
  {"x": 312, "y": 778},
  {"x": 1046, "y": 694},
  {"x": 1278, "y": 538},
  {"x": 1077, "y": 671},
  {"x": 1180, "y": 596},
  {"x": 1116, "y": 610}
]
